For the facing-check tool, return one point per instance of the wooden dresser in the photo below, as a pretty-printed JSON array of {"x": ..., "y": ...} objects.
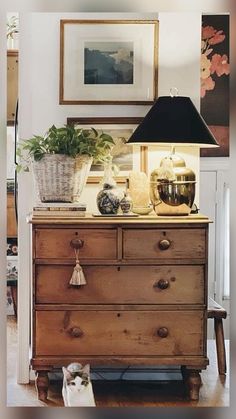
[{"x": 145, "y": 301}]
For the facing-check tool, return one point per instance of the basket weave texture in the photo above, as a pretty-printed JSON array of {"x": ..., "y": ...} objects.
[{"x": 60, "y": 178}]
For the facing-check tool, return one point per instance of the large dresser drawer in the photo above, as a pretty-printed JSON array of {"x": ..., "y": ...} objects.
[
  {"x": 122, "y": 285},
  {"x": 55, "y": 243},
  {"x": 164, "y": 244},
  {"x": 115, "y": 332}
]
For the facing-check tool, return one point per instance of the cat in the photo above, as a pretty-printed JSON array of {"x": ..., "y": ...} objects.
[{"x": 77, "y": 388}]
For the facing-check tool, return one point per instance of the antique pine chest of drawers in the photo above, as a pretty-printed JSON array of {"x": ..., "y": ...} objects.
[{"x": 145, "y": 301}]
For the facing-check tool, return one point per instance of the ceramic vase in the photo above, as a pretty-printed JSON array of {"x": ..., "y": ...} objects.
[
  {"x": 109, "y": 197},
  {"x": 126, "y": 204}
]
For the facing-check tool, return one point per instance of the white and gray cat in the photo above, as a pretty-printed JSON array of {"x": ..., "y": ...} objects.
[{"x": 77, "y": 388}]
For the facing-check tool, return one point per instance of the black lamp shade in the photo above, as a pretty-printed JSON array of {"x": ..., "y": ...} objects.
[{"x": 173, "y": 120}]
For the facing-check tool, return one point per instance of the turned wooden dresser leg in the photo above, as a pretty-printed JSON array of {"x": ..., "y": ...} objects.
[
  {"x": 42, "y": 384},
  {"x": 193, "y": 383}
]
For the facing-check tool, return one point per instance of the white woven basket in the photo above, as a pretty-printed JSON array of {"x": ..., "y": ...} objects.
[{"x": 60, "y": 178}]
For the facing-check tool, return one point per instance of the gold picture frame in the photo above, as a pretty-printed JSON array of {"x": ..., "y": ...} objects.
[
  {"x": 99, "y": 57},
  {"x": 117, "y": 127}
]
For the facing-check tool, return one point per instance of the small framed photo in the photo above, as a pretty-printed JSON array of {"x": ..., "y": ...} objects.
[
  {"x": 108, "y": 61},
  {"x": 125, "y": 157}
]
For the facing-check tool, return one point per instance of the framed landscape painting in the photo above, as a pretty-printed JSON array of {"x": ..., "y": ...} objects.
[
  {"x": 125, "y": 157},
  {"x": 108, "y": 61}
]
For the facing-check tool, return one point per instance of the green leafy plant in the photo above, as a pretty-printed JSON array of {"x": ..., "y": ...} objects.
[
  {"x": 67, "y": 140},
  {"x": 12, "y": 26}
]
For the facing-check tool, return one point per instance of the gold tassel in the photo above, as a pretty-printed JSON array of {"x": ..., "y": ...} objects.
[{"x": 78, "y": 277}]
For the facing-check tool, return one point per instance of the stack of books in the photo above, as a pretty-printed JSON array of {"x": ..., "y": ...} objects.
[{"x": 59, "y": 210}]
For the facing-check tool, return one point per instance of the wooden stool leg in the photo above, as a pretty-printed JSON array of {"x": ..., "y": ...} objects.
[{"x": 220, "y": 345}]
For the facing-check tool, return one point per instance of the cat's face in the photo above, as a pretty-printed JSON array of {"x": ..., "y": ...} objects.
[
  {"x": 78, "y": 384},
  {"x": 77, "y": 381}
]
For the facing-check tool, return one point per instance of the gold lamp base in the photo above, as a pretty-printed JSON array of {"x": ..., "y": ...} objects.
[
  {"x": 165, "y": 209},
  {"x": 172, "y": 190}
]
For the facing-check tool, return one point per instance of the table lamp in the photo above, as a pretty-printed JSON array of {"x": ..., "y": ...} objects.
[{"x": 173, "y": 120}]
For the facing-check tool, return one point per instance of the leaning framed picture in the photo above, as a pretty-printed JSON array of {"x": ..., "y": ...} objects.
[
  {"x": 108, "y": 61},
  {"x": 125, "y": 157}
]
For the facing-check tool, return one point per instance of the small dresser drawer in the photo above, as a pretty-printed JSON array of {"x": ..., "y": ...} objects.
[
  {"x": 164, "y": 244},
  {"x": 101, "y": 332},
  {"x": 56, "y": 243},
  {"x": 121, "y": 285}
]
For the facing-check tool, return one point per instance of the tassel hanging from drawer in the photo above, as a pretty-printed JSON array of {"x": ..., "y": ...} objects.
[{"x": 78, "y": 277}]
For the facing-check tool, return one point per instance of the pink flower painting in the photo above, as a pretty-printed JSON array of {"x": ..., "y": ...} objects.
[
  {"x": 214, "y": 77},
  {"x": 213, "y": 65}
]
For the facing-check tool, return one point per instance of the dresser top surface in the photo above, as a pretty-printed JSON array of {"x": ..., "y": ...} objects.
[{"x": 119, "y": 220}]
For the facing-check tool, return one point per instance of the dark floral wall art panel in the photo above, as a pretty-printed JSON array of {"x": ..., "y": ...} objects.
[{"x": 215, "y": 70}]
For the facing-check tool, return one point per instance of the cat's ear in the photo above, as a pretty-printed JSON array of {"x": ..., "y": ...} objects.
[
  {"x": 67, "y": 375},
  {"x": 86, "y": 369}
]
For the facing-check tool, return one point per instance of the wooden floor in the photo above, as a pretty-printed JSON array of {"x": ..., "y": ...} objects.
[{"x": 214, "y": 391}]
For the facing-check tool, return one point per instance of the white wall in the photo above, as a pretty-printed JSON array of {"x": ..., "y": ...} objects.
[
  {"x": 213, "y": 182},
  {"x": 207, "y": 6},
  {"x": 40, "y": 68},
  {"x": 178, "y": 66}
]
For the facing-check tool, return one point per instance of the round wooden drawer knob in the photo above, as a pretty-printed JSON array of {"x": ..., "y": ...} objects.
[
  {"x": 76, "y": 332},
  {"x": 164, "y": 244},
  {"x": 162, "y": 332},
  {"x": 162, "y": 284},
  {"x": 77, "y": 243}
]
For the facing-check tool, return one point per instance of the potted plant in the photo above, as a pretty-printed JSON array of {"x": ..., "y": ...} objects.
[{"x": 61, "y": 160}]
